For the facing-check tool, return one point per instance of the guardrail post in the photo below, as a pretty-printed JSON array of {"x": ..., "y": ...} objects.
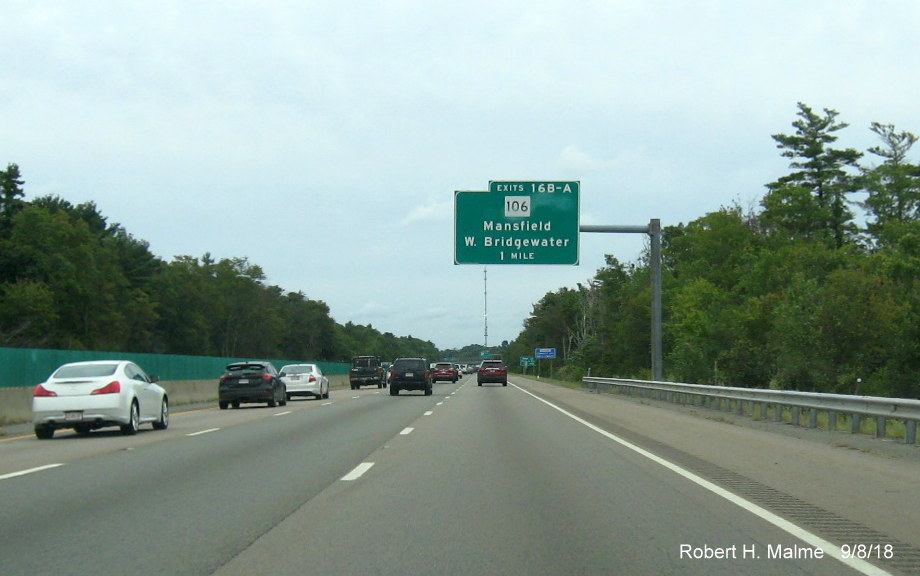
[
  {"x": 855, "y": 423},
  {"x": 910, "y": 433},
  {"x": 812, "y": 418},
  {"x": 881, "y": 424},
  {"x": 831, "y": 420}
]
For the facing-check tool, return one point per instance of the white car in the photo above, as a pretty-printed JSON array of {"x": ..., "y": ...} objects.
[
  {"x": 90, "y": 395},
  {"x": 304, "y": 380}
]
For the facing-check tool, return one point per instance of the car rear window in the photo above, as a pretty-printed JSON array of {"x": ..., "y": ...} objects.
[
  {"x": 441, "y": 366},
  {"x": 409, "y": 365},
  {"x": 241, "y": 369},
  {"x": 297, "y": 369},
  {"x": 85, "y": 371},
  {"x": 365, "y": 362}
]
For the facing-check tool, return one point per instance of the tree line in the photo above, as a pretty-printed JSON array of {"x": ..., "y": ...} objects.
[
  {"x": 71, "y": 280},
  {"x": 816, "y": 288}
]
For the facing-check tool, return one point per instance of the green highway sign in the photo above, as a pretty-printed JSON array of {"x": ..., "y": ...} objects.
[
  {"x": 528, "y": 361},
  {"x": 531, "y": 222}
]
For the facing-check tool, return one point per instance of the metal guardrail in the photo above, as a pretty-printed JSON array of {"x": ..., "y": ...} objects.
[{"x": 758, "y": 402}]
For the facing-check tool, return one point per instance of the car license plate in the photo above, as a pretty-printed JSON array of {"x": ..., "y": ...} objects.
[
  {"x": 244, "y": 380},
  {"x": 410, "y": 374},
  {"x": 73, "y": 416},
  {"x": 296, "y": 377}
]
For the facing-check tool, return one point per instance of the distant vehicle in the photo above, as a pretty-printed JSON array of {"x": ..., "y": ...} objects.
[
  {"x": 85, "y": 396},
  {"x": 252, "y": 383},
  {"x": 366, "y": 370},
  {"x": 304, "y": 380},
  {"x": 410, "y": 374},
  {"x": 445, "y": 371},
  {"x": 492, "y": 371}
]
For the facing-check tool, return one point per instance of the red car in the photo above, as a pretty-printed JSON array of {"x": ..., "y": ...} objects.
[
  {"x": 445, "y": 371},
  {"x": 492, "y": 371}
]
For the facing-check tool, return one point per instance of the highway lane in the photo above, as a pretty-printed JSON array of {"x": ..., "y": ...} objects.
[
  {"x": 494, "y": 481},
  {"x": 472, "y": 480},
  {"x": 173, "y": 503}
]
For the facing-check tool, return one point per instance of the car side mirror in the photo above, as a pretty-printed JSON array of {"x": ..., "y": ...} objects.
[{"x": 154, "y": 378}]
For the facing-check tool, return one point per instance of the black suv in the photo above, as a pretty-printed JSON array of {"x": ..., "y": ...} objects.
[
  {"x": 366, "y": 370},
  {"x": 410, "y": 374},
  {"x": 253, "y": 383}
]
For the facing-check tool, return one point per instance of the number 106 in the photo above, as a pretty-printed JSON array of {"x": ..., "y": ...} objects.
[{"x": 517, "y": 206}]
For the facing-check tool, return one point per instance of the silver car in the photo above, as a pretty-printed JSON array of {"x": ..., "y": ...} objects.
[
  {"x": 304, "y": 380},
  {"x": 85, "y": 396}
]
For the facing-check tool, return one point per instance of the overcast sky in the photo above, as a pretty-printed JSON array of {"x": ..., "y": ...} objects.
[{"x": 324, "y": 141}]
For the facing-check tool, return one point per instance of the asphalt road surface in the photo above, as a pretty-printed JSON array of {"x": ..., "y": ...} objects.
[{"x": 524, "y": 479}]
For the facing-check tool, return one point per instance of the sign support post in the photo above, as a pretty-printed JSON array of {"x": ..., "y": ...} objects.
[{"x": 654, "y": 232}]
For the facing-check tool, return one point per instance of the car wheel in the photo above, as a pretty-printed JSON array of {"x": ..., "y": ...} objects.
[
  {"x": 427, "y": 391},
  {"x": 223, "y": 405},
  {"x": 479, "y": 383},
  {"x": 283, "y": 400},
  {"x": 134, "y": 417},
  {"x": 272, "y": 403},
  {"x": 163, "y": 422},
  {"x": 289, "y": 397},
  {"x": 394, "y": 391},
  {"x": 82, "y": 429},
  {"x": 236, "y": 404},
  {"x": 44, "y": 432}
]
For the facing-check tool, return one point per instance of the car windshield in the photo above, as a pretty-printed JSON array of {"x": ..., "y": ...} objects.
[{"x": 86, "y": 370}]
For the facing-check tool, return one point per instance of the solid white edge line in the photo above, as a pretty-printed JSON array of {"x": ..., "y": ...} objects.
[
  {"x": 359, "y": 471},
  {"x": 29, "y": 471},
  {"x": 200, "y": 432},
  {"x": 828, "y": 547}
]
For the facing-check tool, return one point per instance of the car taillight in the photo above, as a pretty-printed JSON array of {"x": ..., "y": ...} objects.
[
  {"x": 110, "y": 388},
  {"x": 312, "y": 378},
  {"x": 266, "y": 376},
  {"x": 41, "y": 391}
]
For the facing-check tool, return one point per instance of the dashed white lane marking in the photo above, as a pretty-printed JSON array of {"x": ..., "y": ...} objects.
[
  {"x": 208, "y": 431},
  {"x": 282, "y": 413},
  {"x": 406, "y": 431},
  {"x": 359, "y": 471},
  {"x": 29, "y": 471},
  {"x": 429, "y": 413}
]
